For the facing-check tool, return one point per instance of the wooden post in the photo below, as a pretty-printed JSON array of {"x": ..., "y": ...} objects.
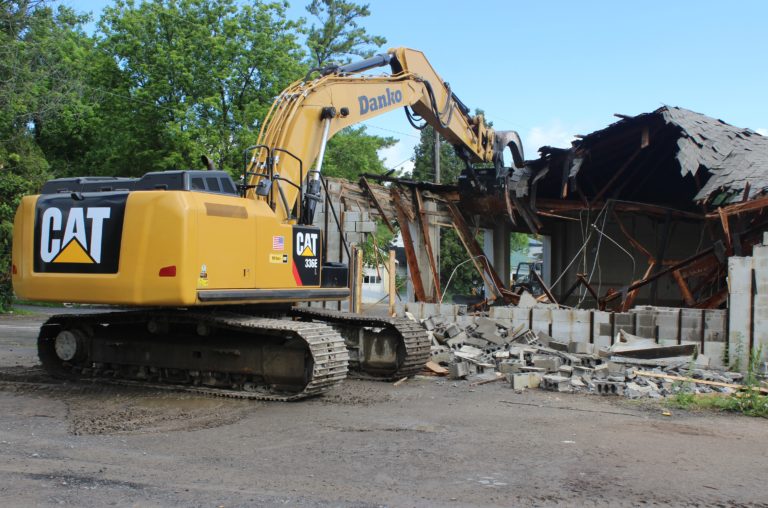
[
  {"x": 410, "y": 253},
  {"x": 392, "y": 283},
  {"x": 424, "y": 223},
  {"x": 359, "y": 281}
]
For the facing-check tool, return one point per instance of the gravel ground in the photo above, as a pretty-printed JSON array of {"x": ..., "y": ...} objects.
[{"x": 427, "y": 442}]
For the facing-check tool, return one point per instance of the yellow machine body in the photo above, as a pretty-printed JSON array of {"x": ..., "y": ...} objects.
[{"x": 176, "y": 248}]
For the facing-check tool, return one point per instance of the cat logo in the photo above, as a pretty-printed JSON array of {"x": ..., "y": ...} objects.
[
  {"x": 73, "y": 247},
  {"x": 306, "y": 244},
  {"x": 73, "y": 237}
]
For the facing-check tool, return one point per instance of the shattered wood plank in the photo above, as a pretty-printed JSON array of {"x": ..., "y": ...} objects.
[
  {"x": 629, "y": 237},
  {"x": 428, "y": 243},
  {"x": 474, "y": 250},
  {"x": 367, "y": 188},
  {"x": 544, "y": 286},
  {"x": 684, "y": 289},
  {"x": 726, "y": 229},
  {"x": 645, "y": 373},
  {"x": 749, "y": 206},
  {"x": 632, "y": 293},
  {"x": 436, "y": 368},
  {"x": 410, "y": 253}
]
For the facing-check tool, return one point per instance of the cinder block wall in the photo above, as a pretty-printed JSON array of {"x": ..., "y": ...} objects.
[{"x": 748, "y": 305}]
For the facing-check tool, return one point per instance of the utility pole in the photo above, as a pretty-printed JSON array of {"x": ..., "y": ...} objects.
[
  {"x": 435, "y": 230},
  {"x": 437, "y": 157}
]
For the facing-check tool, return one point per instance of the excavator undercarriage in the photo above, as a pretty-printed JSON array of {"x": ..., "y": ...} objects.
[{"x": 230, "y": 353}]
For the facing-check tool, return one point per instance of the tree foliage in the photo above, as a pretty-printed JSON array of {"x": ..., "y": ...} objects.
[
  {"x": 213, "y": 70},
  {"x": 338, "y": 36},
  {"x": 352, "y": 152}
]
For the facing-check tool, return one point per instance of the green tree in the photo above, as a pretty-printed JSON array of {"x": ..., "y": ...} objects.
[
  {"x": 41, "y": 51},
  {"x": 352, "y": 152},
  {"x": 195, "y": 77},
  {"x": 338, "y": 36}
]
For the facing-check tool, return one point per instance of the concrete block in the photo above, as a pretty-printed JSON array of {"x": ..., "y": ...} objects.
[
  {"x": 542, "y": 319},
  {"x": 581, "y": 348},
  {"x": 457, "y": 340},
  {"x": 519, "y": 381},
  {"x": 500, "y": 312},
  {"x": 562, "y": 320},
  {"x": 365, "y": 227},
  {"x": 452, "y": 330},
  {"x": 521, "y": 317},
  {"x": 624, "y": 321},
  {"x": 760, "y": 265},
  {"x": 458, "y": 370},
  {"x": 715, "y": 325},
  {"x": 580, "y": 325},
  {"x": 600, "y": 371},
  {"x": 429, "y": 309},
  {"x": 550, "y": 363},
  {"x": 555, "y": 383},
  {"x": 509, "y": 367},
  {"x": 635, "y": 391},
  {"x": 352, "y": 217},
  {"x": 608, "y": 388},
  {"x": 534, "y": 379},
  {"x": 601, "y": 327}
]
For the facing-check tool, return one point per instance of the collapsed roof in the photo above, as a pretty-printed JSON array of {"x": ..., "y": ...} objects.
[{"x": 671, "y": 157}]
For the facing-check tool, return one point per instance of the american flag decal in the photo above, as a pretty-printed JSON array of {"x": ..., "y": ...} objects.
[{"x": 278, "y": 243}]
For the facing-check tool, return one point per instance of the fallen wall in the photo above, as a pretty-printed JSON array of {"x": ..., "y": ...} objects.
[{"x": 705, "y": 328}]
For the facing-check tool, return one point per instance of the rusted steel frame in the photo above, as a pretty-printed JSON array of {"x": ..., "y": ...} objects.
[
  {"x": 616, "y": 175},
  {"x": 427, "y": 242},
  {"x": 555, "y": 216},
  {"x": 748, "y": 206},
  {"x": 589, "y": 287},
  {"x": 570, "y": 290},
  {"x": 544, "y": 287},
  {"x": 632, "y": 294},
  {"x": 637, "y": 245},
  {"x": 367, "y": 189},
  {"x": 410, "y": 253},
  {"x": 684, "y": 289},
  {"x": 474, "y": 250},
  {"x": 657, "y": 275},
  {"x": 713, "y": 301}
]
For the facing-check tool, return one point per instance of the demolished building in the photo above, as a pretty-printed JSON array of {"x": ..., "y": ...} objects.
[{"x": 647, "y": 211}]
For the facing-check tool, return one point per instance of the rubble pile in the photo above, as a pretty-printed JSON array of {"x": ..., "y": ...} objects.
[{"x": 487, "y": 350}]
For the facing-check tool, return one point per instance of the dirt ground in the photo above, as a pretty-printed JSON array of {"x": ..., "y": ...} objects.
[{"x": 427, "y": 442}]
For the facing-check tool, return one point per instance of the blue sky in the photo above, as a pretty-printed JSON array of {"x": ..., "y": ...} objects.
[{"x": 553, "y": 69}]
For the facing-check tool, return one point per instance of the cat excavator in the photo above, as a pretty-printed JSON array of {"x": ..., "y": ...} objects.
[{"x": 211, "y": 271}]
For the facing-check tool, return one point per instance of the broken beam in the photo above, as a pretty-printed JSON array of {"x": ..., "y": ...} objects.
[
  {"x": 410, "y": 253},
  {"x": 428, "y": 243},
  {"x": 367, "y": 188}
]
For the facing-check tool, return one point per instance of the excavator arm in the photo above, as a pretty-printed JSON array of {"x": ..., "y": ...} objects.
[{"x": 296, "y": 130}]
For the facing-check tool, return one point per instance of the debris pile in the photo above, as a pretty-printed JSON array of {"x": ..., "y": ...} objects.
[{"x": 487, "y": 350}]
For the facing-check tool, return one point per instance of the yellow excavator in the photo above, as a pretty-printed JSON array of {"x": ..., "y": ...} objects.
[{"x": 212, "y": 270}]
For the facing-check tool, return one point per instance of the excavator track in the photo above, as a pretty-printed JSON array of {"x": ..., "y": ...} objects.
[
  {"x": 313, "y": 355},
  {"x": 411, "y": 342}
]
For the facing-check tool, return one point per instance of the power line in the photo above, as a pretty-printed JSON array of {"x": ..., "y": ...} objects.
[{"x": 393, "y": 131}]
